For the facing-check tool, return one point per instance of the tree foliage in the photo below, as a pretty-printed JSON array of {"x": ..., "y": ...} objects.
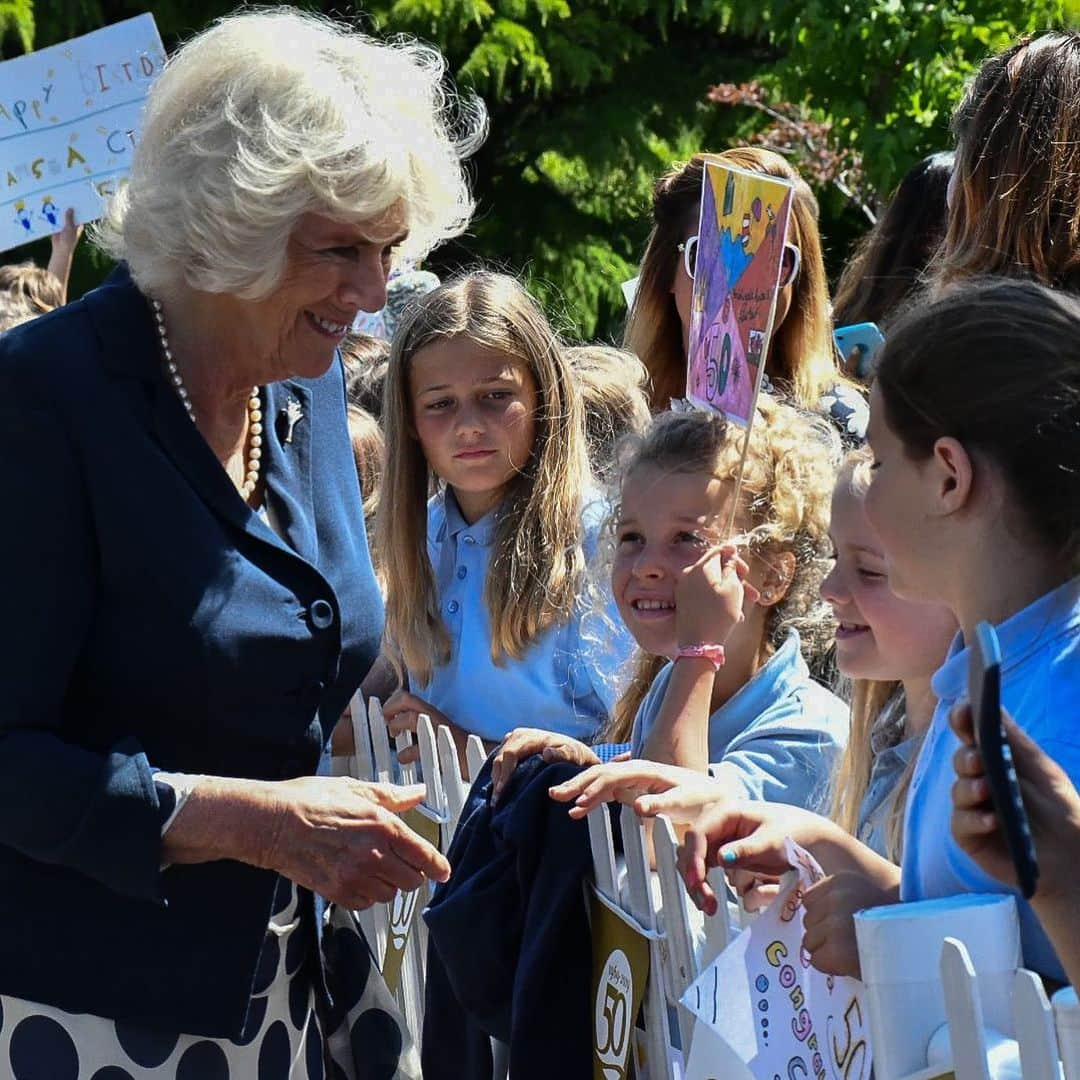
[{"x": 591, "y": 99}]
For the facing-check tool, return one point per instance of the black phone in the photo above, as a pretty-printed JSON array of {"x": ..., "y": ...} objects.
[{"x": 984, "y": 692}]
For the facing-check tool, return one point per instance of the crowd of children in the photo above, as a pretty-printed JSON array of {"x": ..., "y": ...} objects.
[{"x": 771, "y": 641}]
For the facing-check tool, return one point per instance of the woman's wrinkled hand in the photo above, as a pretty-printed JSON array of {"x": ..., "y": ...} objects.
[{"x": 342, "y": 838}]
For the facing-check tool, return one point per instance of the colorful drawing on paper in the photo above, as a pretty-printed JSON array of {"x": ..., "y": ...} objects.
[
  {"x": 69, "y": 122},
  {"x": 740, "y": 250},
  {"x": 767, "y": 1011}
]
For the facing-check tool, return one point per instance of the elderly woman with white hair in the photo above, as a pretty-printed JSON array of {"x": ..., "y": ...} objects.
[{"x": 191, "y": 599}]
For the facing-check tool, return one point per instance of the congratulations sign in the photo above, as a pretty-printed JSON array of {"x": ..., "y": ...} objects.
[
  {"x": 762, "y": 1004},
  {"x": 69, "y": 120}
]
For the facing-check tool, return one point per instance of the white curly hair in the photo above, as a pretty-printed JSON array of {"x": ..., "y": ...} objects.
[{"x": 271, "y": 114}]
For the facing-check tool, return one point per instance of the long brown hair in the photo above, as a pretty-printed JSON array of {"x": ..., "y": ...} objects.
[
  {"x": 802, "y": 357},
  {"x": 890, "y": 262},
  {"x": 788, "y": 479},
  {"x": 537, "y": 564},
  {"x": 1016, "y": 194}
]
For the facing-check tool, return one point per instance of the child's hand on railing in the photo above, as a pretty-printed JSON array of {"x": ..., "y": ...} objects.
[
  {"x": 741, "y": 835},
  {"x": 524, "y": 742},
  {"x": 627, "y": 781},
  {"x": 402, "y": 712}
]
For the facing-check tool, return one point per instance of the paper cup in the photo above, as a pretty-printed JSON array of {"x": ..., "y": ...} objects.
[{"x": 900, "y": 951}]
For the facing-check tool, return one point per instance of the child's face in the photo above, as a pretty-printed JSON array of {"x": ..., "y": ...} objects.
[
  {"x": 474, "y": 414},
  {"x": 897, "y": 509},
  {"x": 667, "y": 521},
  {"x": 880, "y": 636}
]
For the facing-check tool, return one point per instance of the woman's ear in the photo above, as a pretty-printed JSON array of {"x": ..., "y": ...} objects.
[
  {"x": 777, "y": 578},
  {"x": 950, "y": 476}
]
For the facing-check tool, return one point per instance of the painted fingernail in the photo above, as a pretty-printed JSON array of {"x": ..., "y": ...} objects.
[{"x": 728, "y": 857}]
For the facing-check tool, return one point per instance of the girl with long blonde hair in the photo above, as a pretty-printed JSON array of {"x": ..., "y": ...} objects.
[
  {"x": 802, "y": 360},
  {"x": 485, "y": 582},
  {"x": 890, "y": 648}
]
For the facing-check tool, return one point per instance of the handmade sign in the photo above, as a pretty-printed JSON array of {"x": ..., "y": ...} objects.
[
  {"x": 771, "y": 1009},
  {"x": 69, "y": 121},
  {"x": 404, "y": 906},
  {"x": 620, "y": 972},
  {"x": 740, "y": 250}
]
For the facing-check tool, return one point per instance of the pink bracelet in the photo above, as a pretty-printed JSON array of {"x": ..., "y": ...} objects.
[{"x": 702, "y": 651}]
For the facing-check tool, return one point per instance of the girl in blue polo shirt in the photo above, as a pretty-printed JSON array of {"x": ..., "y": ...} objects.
[
  {"x": 486, "y": 598},
  {"x": 725, "y": 625},
  {"x": 975, "y": 428},
  {"x": 975, "y": 432}
]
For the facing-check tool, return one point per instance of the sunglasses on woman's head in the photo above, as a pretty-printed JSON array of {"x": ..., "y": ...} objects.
[{"x": 789, "y": 264}]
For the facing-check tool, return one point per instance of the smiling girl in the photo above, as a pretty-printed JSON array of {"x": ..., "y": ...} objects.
[
  {"x": 485, "y": 582},
  {"x": 722, "y": 693}
]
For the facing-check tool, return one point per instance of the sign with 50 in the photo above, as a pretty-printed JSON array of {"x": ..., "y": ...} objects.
[{"x": 620, "y": 972}]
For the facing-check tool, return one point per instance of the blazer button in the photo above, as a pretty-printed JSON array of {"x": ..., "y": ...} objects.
[
  {"x": 321, "y": 614},
  {"x": 452, "y": 607}
]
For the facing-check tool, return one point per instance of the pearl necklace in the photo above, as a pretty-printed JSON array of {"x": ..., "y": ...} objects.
[{"x": 251, "y": 473}]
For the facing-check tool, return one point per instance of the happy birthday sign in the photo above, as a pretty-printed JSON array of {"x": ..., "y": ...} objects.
[
  {"x": 760, "y": 1003},
  {"x": 741, "y": 235},
  {"x": 69, "y": 121}
]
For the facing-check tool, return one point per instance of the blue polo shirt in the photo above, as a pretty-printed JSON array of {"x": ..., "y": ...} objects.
[
  {"x": 568, "y": 679},
  {"x": 1040, "y": 687},
  {"x": 780, "y": 735}
]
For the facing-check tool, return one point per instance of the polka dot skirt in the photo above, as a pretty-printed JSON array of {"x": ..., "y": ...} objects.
[{"x": 283, "y": 1038}]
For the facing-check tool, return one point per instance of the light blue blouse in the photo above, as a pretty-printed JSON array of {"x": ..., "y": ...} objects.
[
  {"x": 782, "y": 731},
  {"x": 567, "y": 681},
  {"x": 1040, "y": 687}
]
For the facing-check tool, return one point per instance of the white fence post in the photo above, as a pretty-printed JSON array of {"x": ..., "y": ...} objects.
[
  {"x": 963, "y": 1008},
  {"x": 1033, "y": 1021}
]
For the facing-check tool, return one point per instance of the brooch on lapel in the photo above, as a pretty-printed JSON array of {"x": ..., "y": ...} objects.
[{"x": 293, "y": 413}]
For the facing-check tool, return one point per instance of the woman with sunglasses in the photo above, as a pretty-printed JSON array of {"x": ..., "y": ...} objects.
[{"x": 802, "y": 360}]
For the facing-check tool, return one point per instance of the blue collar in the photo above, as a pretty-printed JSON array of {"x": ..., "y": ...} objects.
[
  {"x": 481, "y": 532},
  {"x": 781, "y": 674},
  {"x": 1022, "y": 636}
]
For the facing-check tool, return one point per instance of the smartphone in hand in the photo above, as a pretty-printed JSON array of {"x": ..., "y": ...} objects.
[
  {"x": 864, "y": 337},
  {"x": 984, "y": 692}
]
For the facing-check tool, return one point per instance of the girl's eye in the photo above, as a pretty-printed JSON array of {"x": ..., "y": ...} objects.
[
  {"x": 689, "y": 538},
  {"x": 875, "y": 465},
  {"x": 435, "y": 406},
  {"x": 499, "y": 395},
  {"x": 344, "y": 252},
  {"x": 871, "y": 575},
  {"x": 629, "y": 538}
]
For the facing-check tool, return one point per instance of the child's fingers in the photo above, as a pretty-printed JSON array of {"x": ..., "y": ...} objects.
[
  {"x": 971, "y": 793},
  {"x": 967, "y": 761},
  {"x": 691, "y": 865},
  {"x": 409, "y": 756},
  {"x": 502, "y": 767},
  {"x": 403, "y": 721},
  {"x": 961, "y": 721},
  {"x": 973, "y": 824}
]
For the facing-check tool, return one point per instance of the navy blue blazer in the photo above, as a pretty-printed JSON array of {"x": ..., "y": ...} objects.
[{"x": 155, "y": 622}]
